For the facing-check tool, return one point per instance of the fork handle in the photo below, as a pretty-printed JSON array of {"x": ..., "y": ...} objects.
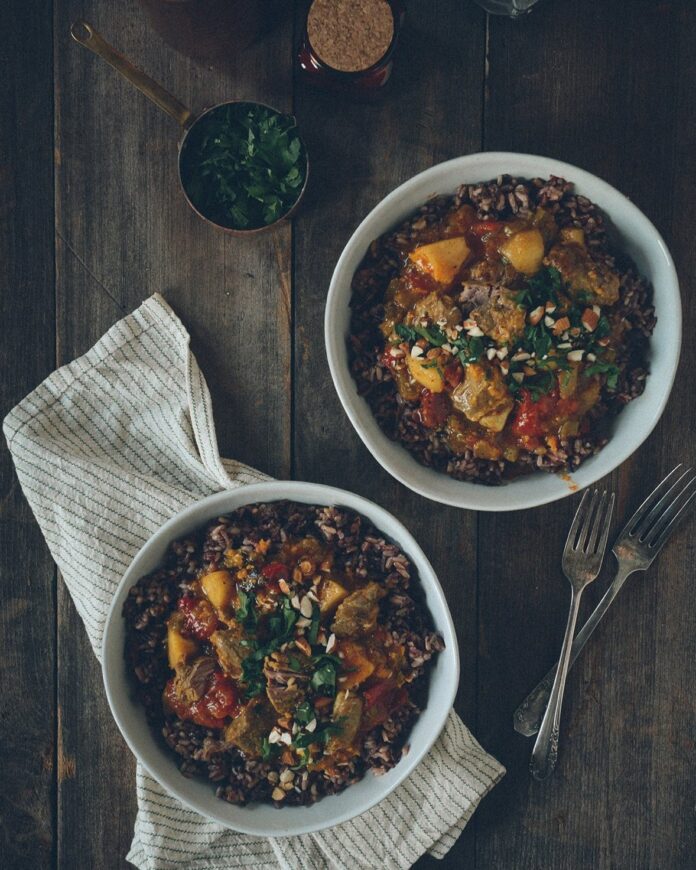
[
  {"x": 527, "y": 717},
  {"x": 545, "y": 750}
]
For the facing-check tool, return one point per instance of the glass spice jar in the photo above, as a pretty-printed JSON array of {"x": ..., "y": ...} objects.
[{"x": 348, "y": 45}]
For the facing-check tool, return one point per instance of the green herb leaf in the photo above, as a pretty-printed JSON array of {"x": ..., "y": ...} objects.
[
  {"x": 604, "y": 368},
  {"x": 313, "y": 630},
  {"x": 268, "y": 750},
  {"x": 243, "y": 165},
  {"x": 304, "y": 713},
  {"x": 245, "y": 613},
  {"x": 323, "y": 680}
]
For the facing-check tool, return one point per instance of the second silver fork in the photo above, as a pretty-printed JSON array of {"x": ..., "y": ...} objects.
[
  {"x": 636, "y": 548},
  {"x": 582, "y": 560}
]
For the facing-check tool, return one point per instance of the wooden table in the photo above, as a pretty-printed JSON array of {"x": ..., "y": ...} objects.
[{"x": 93, "y": 223}]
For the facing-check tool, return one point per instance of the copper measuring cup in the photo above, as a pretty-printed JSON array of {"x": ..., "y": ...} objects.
[{"x": 87, "y": 36}]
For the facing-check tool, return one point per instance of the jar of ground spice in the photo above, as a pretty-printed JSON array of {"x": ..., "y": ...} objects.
[{"x": 348, "y": 45}]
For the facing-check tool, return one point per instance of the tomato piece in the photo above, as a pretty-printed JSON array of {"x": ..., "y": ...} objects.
[
  {"x": 275, "y": 571},
  {"x": 200, "y": 619},
  {"x": 377, "y": 693},
  {"x": 220, "y": 701},
  {"x": 433, "y": 409},
  {"x": 417, "y": 282},
  {"x": 532, "y": 417},
  {"x": 381, "y": 700},
  {"x": 222, "y": 698},
  {"x": 481, "y": 228}
]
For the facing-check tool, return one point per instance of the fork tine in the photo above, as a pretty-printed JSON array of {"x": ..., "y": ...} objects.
[
  {"x": 577, "y": 520},
  {"x": 655, "y": 512},
  {"x": 596, "y": 524},
  {"x": 602, "y": 545},
  {"x": 601, "y": 524},
  {"x": 587, "y": 525},
  {"x": 657, "y": 493},
  {"x": 669, "y": 511},
  {"x": 670, "y": 527}
]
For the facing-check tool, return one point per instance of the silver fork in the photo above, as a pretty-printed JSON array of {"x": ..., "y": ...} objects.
[
  {"x": 636, "y": 547},
  {"x": 582, "y": 559}
]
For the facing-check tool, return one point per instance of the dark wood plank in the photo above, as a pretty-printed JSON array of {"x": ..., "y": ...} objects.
[
  {"x": 124, "y": 232},
  {"x": 607, "y": 88},
  {"x": 27, "y": 355},
  {"x": 431, "y": 112}
]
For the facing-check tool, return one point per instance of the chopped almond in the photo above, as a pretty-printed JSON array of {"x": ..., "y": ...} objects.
[
  {"x": 589, "y": 319},
  {"x": 561, "y": 325},
  {"x": 536, "y": 315}
]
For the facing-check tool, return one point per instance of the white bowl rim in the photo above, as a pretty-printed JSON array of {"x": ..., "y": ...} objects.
[
  {"x": 345, "y": 386},
  {"x": 113, "y": 669}
]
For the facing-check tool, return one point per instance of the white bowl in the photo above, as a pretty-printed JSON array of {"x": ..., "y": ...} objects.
[
  {"x": 635, "y": 235},
  {"x": 264, "y": 820}
]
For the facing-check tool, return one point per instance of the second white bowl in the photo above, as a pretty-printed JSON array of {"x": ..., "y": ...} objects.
[
  {"x": 264, "y": 820},
  {"x": 636, "y": 236}
]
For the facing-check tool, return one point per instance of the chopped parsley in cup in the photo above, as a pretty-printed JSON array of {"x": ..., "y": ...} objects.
[{"x": 243, "y": 165}]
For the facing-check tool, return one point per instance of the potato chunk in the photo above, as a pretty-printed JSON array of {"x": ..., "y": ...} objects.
[
  {"x": 179, "y": 648},
  {"x": 442, "y": 260},
  {"x": 356, "y": 663},
  {"x": 426, "y": 373},
  {"x": 331, "y": 594},
  {"x": 525, "y": 251},
  {"x": 219, "y": 588}
]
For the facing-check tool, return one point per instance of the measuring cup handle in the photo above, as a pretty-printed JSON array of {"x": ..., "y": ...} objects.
[{"x": 86, "y": 35}]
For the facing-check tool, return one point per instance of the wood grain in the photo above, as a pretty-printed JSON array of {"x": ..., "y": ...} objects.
[
  {"x": 598, "y": 84},
  {"x": 619, "y": 797},
  {"x": 27, "y": 355}
]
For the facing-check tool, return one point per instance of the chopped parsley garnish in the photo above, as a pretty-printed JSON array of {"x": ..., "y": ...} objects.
[
  {"x": 604, "y": 368},
  {"x": 280, "y": 626},
  {"x": 432, "y": 334},
  {"x": 541, "y": 288},
  {"x": 245, "y": 613},
  {"x": 268, "y": 749},
  {"x": 313, "y": 630},
  {"x": 304, "y": 713},
  {"x": 323, "y": 680},
  {"x": 537, "y": 339},
  {"x": 243, "y": 165},
  {"x": 321, "y": 735}
]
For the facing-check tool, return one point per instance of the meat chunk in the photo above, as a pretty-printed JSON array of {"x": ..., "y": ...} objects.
[
  {"x": 347, "y": 715},
  {"x": 435, "y": 308},
  {"x": 483, "y": 397},
  {"x": 489, "y": 272},
  {"x": 230, "y": 649},
  {"x": 358, "y": 613},
  {"x": 583, "y": 274},
  {"x": 247, "y": 730},
  {"x": 501, "y": 317},
  {"x": 287, "y": 679},
  {"x": 191, "y": 681}
]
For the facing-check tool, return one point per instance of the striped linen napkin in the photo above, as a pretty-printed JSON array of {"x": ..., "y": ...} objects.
[{"x": 107, "y": 449}]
